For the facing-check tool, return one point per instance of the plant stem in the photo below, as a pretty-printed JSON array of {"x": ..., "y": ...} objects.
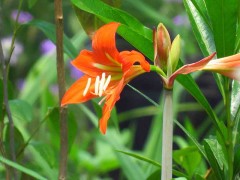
[
  {"x": 4, "y": 67},
  {"x": 167, "y": 136},
  {"x": 229, "y": 142},
  {"x": 61, "y": 85}
]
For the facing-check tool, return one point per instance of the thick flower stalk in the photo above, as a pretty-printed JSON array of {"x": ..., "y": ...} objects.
[
  {"x": 166, "y": 57},
  {"x": 106, "y": 72}
]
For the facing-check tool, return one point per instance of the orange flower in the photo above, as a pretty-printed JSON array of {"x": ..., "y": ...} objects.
[
  {"x": 106, "y": 72},
  {"x": 228, "y": 66}
]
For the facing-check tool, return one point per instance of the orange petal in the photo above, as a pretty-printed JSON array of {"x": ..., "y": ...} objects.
[
  {"x": 104, "y": 44},
  {"x": 75, "y": 93},
  {"x": 189, "y": 68},
  {"x": 109, "y": 104},
  {"x": 86, "y": 63},
  {"x": 129, "y": 58}
]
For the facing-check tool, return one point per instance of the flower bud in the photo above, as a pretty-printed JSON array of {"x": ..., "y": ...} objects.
[
  {"x": 162, "y": 44},
  {"x": 174, "y": 55}
]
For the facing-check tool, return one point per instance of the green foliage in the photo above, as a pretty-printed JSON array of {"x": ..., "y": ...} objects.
[{"x": 208, "y": 149}]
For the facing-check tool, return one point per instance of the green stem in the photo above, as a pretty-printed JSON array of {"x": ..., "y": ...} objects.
[
  {"x": 229, "y": 141},
  {"x": 157, "y": 70},
  {"x": 167, "y": 135}
]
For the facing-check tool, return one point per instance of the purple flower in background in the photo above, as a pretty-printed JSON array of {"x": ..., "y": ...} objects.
[
  {"x": 24, "y": 16},
  {"x": 180, "y": 20},
  {"x": 47, "y": 46},
  {"x": 18, "y": 49},
  {"x": 54, "y": 89},
  {"x": 20, "y": 84},
  {"x": 74, "y": 72}
]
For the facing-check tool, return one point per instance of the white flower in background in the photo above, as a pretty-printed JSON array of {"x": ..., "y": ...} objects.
[{"x": 18, "y": 49}]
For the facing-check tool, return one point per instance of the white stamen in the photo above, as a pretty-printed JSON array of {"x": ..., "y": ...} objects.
[
  {"x": 101, "y": 84},
  {"x": 102, "y": 100},
  {"x": 107, "y": 82},
  {"x": 96, "y": 85},
  {"x": 87, "y": 87}
]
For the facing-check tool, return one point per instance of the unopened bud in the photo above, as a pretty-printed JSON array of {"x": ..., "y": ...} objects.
[
  {"x": 174, "y": 54},
  {"x": 162, "y": 44}
]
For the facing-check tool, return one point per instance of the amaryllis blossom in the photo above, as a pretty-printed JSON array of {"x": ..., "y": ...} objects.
[
  {"x": 167, "y": 57},
  {"x": 106, "y": 72},
  {"x": 228, "y": 66}
]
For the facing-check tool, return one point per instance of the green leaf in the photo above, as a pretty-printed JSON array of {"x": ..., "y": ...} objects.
[
  {"x": 50, "y": 31},
  {"x": 89, "y": 21},
  {"x": 235, "y": 108},
  {"x": 200, "y": 148},
  {"x": 215, "y": 157},
  {"x": 190, "y": 85},
  {"x": 236, "y": 162},
  {"x": 198, "y": 17},
  {"x": 21, "y": 110},
  {"x": 237, "y": 44},
  {"x": 22, "y": 168},
  {"x": 131, "y": 169},
  {"x": 1, "y": 99},
  {"x": 31, "y": 3},
  {"x": 131, "y": 30},
  {"x": 200, "y": 26},
  {"x": 155, "y": 175},
  {"x": 142, "y": 158},
  {"x": 223, "y": 15},
  {"x": 184, "y": 157},
  {"x": 43, "y": 73},
  {"x": 18, "y": 137}
]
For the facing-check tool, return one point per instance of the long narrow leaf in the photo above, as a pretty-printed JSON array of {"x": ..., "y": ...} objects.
[
  {"x": 142, "y": 158},
  {"x": 22, "y": 168}
]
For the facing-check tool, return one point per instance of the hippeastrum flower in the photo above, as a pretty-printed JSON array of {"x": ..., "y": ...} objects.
[
  {"x": 166, "y": 57},
  {"x": 106, "y": 72}
]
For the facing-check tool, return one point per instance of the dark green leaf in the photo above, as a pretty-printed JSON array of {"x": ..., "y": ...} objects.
[
  {"x": 223, "y": 15},
  {"x": 215, "y": 157},
  {"x": 31, "y": 3},
  {"x": 155, "y": 175}
]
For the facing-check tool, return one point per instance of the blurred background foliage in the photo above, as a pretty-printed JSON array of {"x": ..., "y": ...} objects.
[{"x": 135, "y": 124}]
